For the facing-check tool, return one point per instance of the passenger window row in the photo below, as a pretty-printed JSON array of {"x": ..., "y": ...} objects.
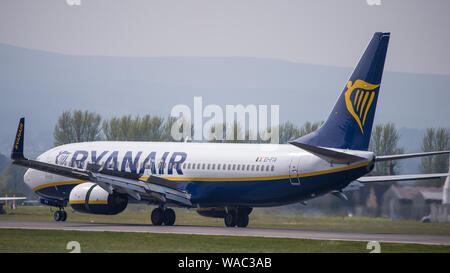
[
  {"x": 228, "y": 167},
  {"x": 206, "y": 166}
]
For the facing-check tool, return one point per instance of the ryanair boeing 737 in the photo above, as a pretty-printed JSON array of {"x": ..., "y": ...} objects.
[{"x": 221, "y": 180}]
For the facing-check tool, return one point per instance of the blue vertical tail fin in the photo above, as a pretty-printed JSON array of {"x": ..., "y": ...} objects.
[{"x": 349, "y": 125}]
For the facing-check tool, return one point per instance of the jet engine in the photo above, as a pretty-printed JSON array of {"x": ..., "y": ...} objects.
[{"x": 91, "y": 198}]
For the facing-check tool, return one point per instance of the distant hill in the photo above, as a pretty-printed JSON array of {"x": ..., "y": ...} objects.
[
  {"x": 41, "y": 85},
  {"x": 4, "y": 161}
]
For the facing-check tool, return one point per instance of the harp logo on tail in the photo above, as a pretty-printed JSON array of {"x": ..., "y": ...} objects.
[
  {"x": 358, "y": 99},
  {"x": 19, "y": 136}
]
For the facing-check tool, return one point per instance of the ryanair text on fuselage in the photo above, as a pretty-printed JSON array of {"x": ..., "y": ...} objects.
[{"x": 110, "y": 160}]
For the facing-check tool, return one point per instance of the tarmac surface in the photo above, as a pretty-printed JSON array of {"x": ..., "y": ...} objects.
[{"x": 224, "y": 231}]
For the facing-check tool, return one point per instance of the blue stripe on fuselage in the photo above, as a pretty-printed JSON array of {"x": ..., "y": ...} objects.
[
  {"x": 268, "y": 192},
  {"x": 248, "y": 193}
]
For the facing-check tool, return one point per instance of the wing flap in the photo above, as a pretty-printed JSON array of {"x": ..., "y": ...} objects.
[
  {"x": 162, "y": 182},
  {"x": 143, "y": 187}
]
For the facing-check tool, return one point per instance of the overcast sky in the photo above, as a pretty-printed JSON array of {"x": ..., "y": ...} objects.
[{"x": 328, "y": 32}]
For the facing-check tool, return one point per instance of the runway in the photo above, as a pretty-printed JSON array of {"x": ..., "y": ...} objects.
[{"x": 223, "y": 231}]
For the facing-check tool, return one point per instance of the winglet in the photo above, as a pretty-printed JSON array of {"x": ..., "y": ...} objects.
[{"x": 17, "y": 150}]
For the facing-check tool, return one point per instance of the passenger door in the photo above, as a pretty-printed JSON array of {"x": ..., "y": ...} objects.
[{"x": 293, "y": 170}]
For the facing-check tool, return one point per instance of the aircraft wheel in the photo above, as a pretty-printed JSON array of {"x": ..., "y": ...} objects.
[
  {"x": 169, "y": 217},
  {"x": 230, "y": 219},
  {"x": 63, "y": 216},
  {"x": 157, "y": 217},
  {"x": 242, "y": 220},
  {"x": 57, "y": 215}
]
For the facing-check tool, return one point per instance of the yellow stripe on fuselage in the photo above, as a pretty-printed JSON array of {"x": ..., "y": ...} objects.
[
  {"x": 58, "y": 184},
  {"x": 266, "y": 177},
  {"x": 104, "y": 202},
  {"x": 212, "y": 179}
]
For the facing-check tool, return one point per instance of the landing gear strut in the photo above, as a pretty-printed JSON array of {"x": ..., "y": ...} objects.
[
  {"x": 238, "y": 217},
  {"x": 161, "y": 215}
]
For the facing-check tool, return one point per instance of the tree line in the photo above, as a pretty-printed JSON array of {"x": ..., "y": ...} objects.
[
  {"x": 79, "y": 126},
  {"x": 82, "y": 126},
  {"x": 384, "y": 141}
]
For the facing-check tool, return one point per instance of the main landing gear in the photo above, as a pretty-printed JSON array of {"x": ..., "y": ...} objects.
[
  {"x": 238, "y": 217},
  {"x": 161, "y": 215},
  {"x": 60, "y": 215}
]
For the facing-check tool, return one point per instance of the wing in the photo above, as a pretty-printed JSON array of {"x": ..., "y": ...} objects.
[
  {"x": 154, "y": 187},
  {"x": 403, "y": 156},
  {"x": 390, "y": 178},
  {"x": 12, "y": 198}
]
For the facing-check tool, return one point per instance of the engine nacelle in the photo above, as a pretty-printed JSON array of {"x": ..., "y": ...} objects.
[{"x": 91, "y": 198}]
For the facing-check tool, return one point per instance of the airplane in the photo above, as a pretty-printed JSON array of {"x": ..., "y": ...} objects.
[{"x": 221, "y": 180}]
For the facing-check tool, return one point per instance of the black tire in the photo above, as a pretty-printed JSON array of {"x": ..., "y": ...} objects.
[
  {"x": 157, "y": 217},
  {"x": 242, "y": 220},
  {"x": 57, "y": 216},
  {"x": 169, "y": 217},
  {"x": 63, "y": 216},
  {"x": 230, "y": 219}
]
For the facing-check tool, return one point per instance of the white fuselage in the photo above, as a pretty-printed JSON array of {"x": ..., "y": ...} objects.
[{"x": 208, "y": 171}]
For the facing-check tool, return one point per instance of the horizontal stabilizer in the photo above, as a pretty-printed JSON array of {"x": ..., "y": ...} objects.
[
  {"x": 390, "y": 178},
  {"x": 328, "y": 154},
  {"x": 403, "y": 156}
]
